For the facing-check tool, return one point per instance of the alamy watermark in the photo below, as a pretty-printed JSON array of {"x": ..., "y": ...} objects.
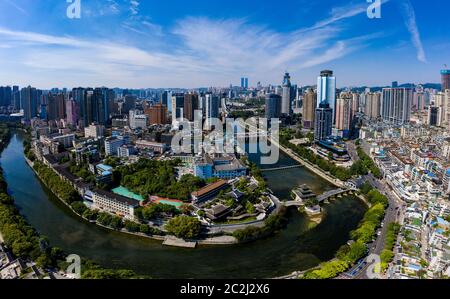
[
  {"x": 74, "y": 9},
  {"x": 252, "y": 136},
  {"x": 374, "y": 9},
  {"x": 74, "y": 268},
  {"x": 374, "y": 268}
]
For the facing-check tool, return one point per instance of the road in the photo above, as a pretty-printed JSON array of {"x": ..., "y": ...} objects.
[
  {"x": 351, "y": 148},
  {"x": 393, "y": 214}
]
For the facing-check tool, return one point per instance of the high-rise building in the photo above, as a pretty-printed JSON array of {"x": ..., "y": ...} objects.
[
  {"x": 420, "y": 101},
  {"x": 309, "y": 108},
  {"x": 355, "y": 104},
  {"x": 157, "y": 114},
  {"x": 95, "y": 105},
  {"x": 55, "y": 106},
  {"x": 30, "y": 102},
  {"x": 5, "y": 96},
  {"x": 344, "y": 113},
  {"x": 445, "y": 76},
  {"x": 72, "y": 112},
  {"x": 177, "y": 106},
  {"x": 326, "y": 90},
  {"x": 396, "y": 105},
  {"x": 446, "y": 109},
  {"x": 286, "y": 100},
  {"x": 273, "y": 106},
  {"x": 166, "y": 99},
  {"x": 129, "y": 103},
  {"x": 372, "y": 105},
  {"x": 434, "y": 116},
  {"x": 190, "y": 105},
  {"x": 212, "y": 107},
  {"x": 16, "y": 98},
  {"x": 244, "y": 83},
  {"x": 323, "y": 124}
]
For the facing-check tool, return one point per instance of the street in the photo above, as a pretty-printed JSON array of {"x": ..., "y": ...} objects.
[{"x": 391, "y": 216}]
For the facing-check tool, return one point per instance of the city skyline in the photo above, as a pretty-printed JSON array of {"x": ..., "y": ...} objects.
[{"x": 149, "y": 45}]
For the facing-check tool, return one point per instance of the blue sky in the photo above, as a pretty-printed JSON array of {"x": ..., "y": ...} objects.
[{"x": 197, "y": 43}]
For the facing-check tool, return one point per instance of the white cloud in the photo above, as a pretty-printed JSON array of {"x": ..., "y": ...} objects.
[
  {"x": 16, "y": 6},
  {"x": 196, "y": 52},
  {"x": 134, "y": 7},
  {"x": 410, "y": 20}
]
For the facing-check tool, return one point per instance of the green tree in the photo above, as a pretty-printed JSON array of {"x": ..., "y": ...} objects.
[{"x": 184, "y": 227}]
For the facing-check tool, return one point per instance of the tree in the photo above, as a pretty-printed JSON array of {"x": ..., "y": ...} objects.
[
  {"x": 116, "y": 222},
  {"x": 184, "y": 227},
  {"x": 145, "y": 229},
  {"x": 79, "y": 207},
  {"x": 132, "y": 226}
]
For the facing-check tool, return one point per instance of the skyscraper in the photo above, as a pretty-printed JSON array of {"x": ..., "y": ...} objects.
[
  {"x": 273, "y": 106},
  {"x": 244, "y": 83},
  {"x": 434, "y": 116},
  {"x": 55, "y": 106},
  {"x": 129, "y": 103},
  {"x": 355, "y": 104},
  {"x": 396, "y": 105},
  {"x": 79, "y": 96},
  {"x": 309, "y": 108},
  {"x": 177, "y": 106},
  {"x": 326, "y": 90},
  {"x": 190, "y": 105},
  {"x": 343, "y": 113},
  {"x": 166, "y": 99},
  {"x": 372, "y": 105},
  {"x": 16, "y": 98},
  {"x": 72, "y": 112},
  {"x": 5, "y": 96},
  {"x": 212, "y": 107},
  {"x": 95, "y": 104},
  {"x": 445, "y": 75},
  {"x": 286, "y": 101},
  {"x": 323, "y": 122},
  {"x": 30, "y": 102}
]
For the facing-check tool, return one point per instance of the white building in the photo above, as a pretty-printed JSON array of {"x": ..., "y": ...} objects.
[
  {"x": 114, "y": 204},
  {"x": 112, "y": 144},
  {"x": 138, "y": 120},
  {"x": 94, "y": 131}
]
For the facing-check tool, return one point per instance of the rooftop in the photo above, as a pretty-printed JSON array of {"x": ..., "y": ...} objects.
[{"x": 209, "y": 188}]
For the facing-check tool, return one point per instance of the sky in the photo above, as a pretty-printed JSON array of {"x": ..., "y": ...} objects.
[{"x": 200, "y": 43}]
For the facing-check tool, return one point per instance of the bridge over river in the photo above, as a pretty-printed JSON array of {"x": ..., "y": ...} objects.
[
  {"x": 281, "y": 168},
  {"x": 321, "y": 198}
]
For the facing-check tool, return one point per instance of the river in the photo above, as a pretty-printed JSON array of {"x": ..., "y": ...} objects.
[{"x": 294, "y": 248}]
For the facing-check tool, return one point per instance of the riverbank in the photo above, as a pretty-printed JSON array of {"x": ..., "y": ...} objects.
[
  {"x": 217, "y": 240},
  {"x": 300, "y": 247}
]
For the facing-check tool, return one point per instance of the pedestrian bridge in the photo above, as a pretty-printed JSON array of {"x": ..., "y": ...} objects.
[
  {"x": 281, "y": 168},
  {"x": 321, "y": 198}
]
